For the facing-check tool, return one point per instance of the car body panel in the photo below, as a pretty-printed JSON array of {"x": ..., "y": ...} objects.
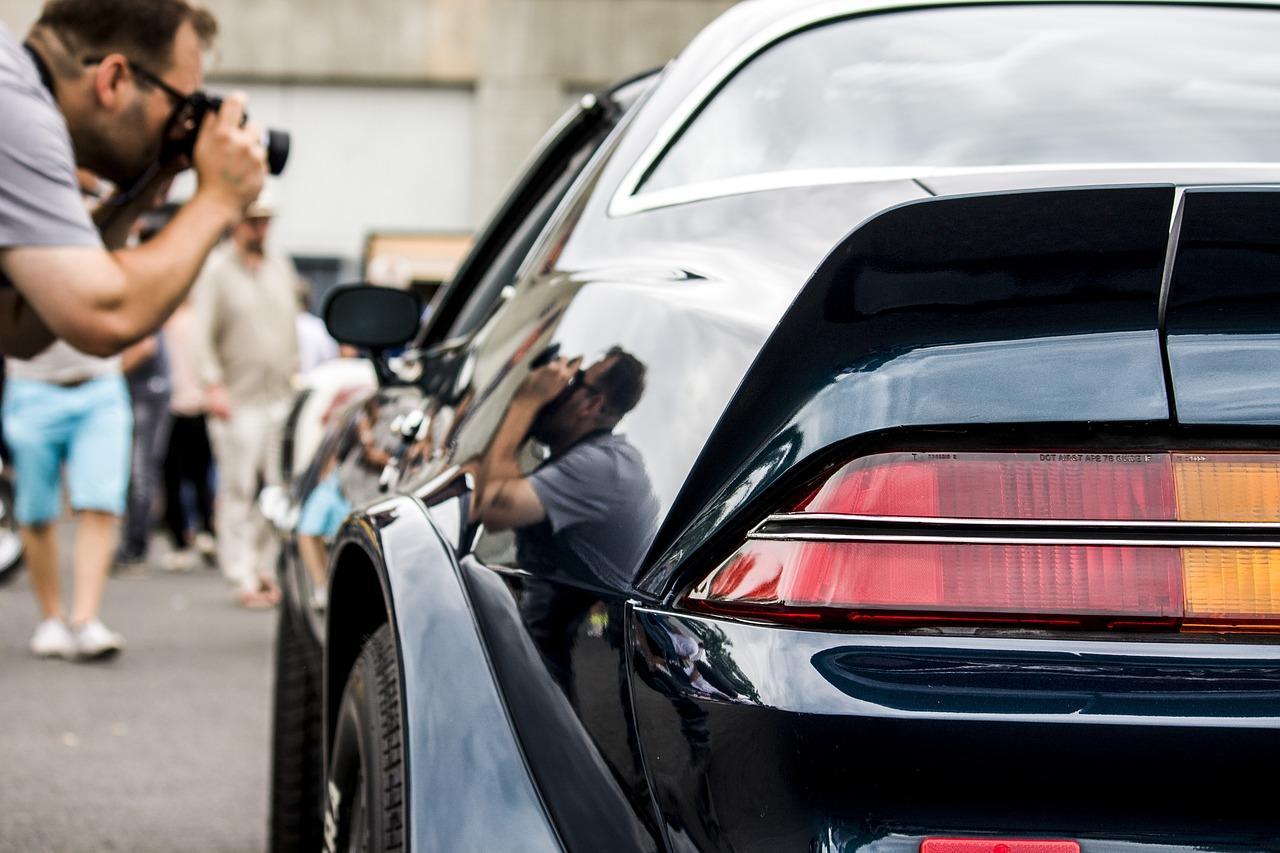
[
  {"x": 1007, "y": 308},
  {"x": 769, "y": 738},
  {"x": 580, "y": 750},
  {"x": 456, "y": 725},
  {"x": 783, "y": 331},
  {"x": 1222, "y": 308}
]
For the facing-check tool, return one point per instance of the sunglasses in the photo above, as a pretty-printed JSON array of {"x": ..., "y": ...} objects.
[
  {"x": 579, "y": 380},
  {"x": 182, "y": 119}
]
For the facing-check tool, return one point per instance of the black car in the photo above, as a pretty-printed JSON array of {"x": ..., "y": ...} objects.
[{"x": 859, "y": 436}]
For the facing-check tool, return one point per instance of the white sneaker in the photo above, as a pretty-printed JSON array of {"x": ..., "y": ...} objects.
[
  {"x": 53, "y": 639},
  {"x": 179, "y": 561},
  {"x": 94, "y": 641},
  {"x": 206, "y": 546}
]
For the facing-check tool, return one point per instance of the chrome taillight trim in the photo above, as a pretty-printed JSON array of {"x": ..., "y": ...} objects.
[
  {"x": 848, "y": 518},
  {"x": 837, "y": 527},
  {"x": 910, "y": 538}
]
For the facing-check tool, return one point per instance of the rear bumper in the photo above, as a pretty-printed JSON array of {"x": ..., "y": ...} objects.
[{"x": 757, "y": 737}]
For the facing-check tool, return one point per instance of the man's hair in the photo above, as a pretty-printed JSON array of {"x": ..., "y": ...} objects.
[
  {"x": 142, "y": 30},
  {"x": 622, "y": 384}
]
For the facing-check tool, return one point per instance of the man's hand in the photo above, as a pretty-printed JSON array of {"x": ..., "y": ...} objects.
[
  {"x": 230, "y": 162},
  {"x": 545, "y": 383},
  {"x": 217, "y": 402}
]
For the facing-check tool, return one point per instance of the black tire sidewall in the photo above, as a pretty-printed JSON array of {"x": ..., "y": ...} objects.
[
  {"x": 297, "y": 766},
  {"x": 368, "y": 738}
]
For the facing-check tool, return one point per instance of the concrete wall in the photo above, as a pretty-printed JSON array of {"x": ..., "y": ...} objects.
[{"x": 495, "y": 73}]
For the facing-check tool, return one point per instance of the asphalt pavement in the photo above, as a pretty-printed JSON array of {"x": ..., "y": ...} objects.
[{"x": 164, "y": 748}]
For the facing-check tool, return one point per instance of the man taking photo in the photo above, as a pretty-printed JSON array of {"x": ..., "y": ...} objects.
[{"x": 103, "y": 84}]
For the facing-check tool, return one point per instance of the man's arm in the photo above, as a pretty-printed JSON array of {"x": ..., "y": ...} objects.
[
  {"x": 505, "y": 498},
  {"x": 100, "y": 301}
]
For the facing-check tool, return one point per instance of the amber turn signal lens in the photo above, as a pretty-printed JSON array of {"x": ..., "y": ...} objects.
[
  {"x": 1231, "y": 584},
  {"x": 1227, "y": 486}
]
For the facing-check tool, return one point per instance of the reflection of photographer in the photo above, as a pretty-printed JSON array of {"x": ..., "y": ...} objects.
[
  {"x": 589, "y": 510},
  {"x": 110, "y": 86}
]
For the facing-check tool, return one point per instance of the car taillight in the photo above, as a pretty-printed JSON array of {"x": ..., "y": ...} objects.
[{"x": 1099, "y": 540}]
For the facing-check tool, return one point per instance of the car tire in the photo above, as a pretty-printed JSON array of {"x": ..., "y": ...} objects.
[
  {"x": 297, "y": 763},
  {"x": 364, "y": 802}
]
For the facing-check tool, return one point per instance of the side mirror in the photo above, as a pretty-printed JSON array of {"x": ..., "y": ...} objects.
[{"x": 372, "y": 318}]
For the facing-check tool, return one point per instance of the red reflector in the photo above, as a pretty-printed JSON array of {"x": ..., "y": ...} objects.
[
  {"x": 1132, "y": 582},
  {"x": 996, "y": 845},
  {"x": 1045, "y": 486}
]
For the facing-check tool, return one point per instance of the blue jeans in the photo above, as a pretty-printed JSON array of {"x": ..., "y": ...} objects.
[{"x": 151, "y": 422}]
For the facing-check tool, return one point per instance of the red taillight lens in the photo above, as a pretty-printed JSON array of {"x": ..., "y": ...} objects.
[
  {"x": 1047, "y": 486},
  {"x": 964, "y": 566},
  {"x": 996, "y": 845},
  {"x": 881, "y": 581}
]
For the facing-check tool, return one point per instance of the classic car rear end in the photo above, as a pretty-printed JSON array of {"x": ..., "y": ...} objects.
[
  {"x": 943, "y": 509},
  {"x": 1018, "y": 577}
]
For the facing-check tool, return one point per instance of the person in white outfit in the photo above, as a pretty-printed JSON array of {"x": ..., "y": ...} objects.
[{"x": 245, "y": 348}]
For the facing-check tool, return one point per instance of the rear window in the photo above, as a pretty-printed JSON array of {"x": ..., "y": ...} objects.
[{"x": 994, "y": 86}]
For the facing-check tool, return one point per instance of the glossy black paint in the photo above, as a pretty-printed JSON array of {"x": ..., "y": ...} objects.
[
  {"x": 778, "y": 336},
  {"x": 1224, "y": 307},
  {"x": 456, "y": 724},
  {"x": 592, "y": 780},
  {"x": 1008, "y": 308},
  {"x": 760, "y": 737}
]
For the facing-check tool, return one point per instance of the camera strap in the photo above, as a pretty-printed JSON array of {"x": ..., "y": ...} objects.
[{"x": 42, "y": 68}]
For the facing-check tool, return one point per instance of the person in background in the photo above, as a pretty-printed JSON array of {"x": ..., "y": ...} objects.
[
  {"x": 188, "y": 460},
  {"x": 146, "y": 374},
  {"x": 315, "y": 344},
  {"x": 67, "y": 409},
  {"x": 245, "y": 344}
]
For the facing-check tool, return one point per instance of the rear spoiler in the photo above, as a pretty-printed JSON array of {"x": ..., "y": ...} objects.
[{"x": 1007, "y": 307}]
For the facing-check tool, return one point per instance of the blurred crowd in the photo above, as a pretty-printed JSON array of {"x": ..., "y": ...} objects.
[{"x": 175, "y": 436}]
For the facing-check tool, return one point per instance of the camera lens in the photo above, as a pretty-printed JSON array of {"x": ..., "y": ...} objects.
[{"x": 277, "y": 145}]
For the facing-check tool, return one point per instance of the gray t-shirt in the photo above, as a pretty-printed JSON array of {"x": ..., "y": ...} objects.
[
  {"x": 40, "y": 203},
  {"x": 600, "y": 506}
]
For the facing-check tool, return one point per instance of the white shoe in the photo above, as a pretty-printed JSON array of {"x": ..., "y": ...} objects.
[
  {"x": 179, "y": 561},
  {"x": 206, "y": 546},
  {"x": 53, "y": 639},
  {"x": 94, "y": 641}
]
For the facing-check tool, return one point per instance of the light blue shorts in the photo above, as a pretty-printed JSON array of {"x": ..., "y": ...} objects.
[
  {"x": 86, "y": 429},
  {"x": 324, "y": 509}
]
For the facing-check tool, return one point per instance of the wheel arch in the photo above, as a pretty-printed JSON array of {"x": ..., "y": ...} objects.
[
  {"x": 359, "y": 605},
  {"x": 392, "y": 566}
]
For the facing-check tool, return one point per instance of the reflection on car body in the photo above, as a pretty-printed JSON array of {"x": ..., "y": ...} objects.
[{"x": 830, "y": 445}]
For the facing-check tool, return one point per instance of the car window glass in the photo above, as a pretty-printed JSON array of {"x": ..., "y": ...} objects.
[{"x": 994, "y": 86}]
